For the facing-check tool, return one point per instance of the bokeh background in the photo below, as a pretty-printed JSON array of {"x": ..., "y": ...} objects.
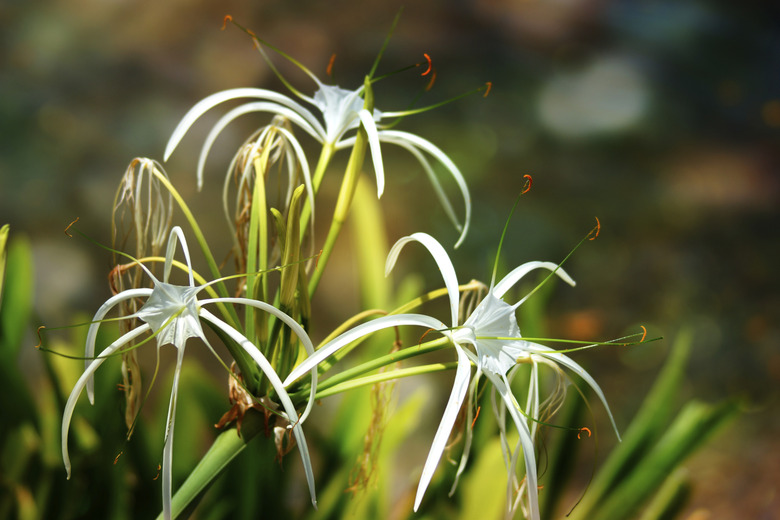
[{"x": 662, "y": 118}]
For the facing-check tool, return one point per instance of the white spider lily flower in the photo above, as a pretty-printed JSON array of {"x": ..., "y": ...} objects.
[
  {"x": 484, "y": 331},
  {"x": 340, "y": 112},
  {"x": 174, "y": 313}
]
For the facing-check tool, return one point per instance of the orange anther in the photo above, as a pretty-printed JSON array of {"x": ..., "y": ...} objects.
[
  {"x": 225, "y": 21},
  {"x": 597, "y": 228},
  {"x": 430, "y": 65},
  {"x": 69, "y": 225},
  {"x": 116, "y": 459},
  {"x": 644, "y": 333},
  {"x": 158, "y": 472},
  {"x": 528, "y": 183},
  {"x": 475, "y": 417},
  {"x": 429, "y": 86},
  {"x": 40, "y": 339},
  {"x": 489, "y": 86},
  {"x": 329, "y": 70},
  {"x": 317, "y": 261},
  {"x": 583, "y": 429}
]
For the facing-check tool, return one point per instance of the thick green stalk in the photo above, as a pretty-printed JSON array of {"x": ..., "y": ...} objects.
[{"x": 347, "y": 191}]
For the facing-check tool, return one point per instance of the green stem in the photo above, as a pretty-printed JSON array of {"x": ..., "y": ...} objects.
[
  {"x": 322, "y": 165},
  {"x": 347, "y": 191},
  {"x": 389, "y": 359},
  {"x": 386, "y": 376}
]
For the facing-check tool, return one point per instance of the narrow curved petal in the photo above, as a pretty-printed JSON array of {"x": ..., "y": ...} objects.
[
  {"x": 437, "y": 187},
  {"x": 442, "y": 261},
  {"x": 339, "y": 342},
  {"x": 398, "y": 137},
  {"x": 316, "y": 132},
  {"x": 469, "y": 430},
  {"x": 376, "y": 152},
  {"x": 577, "y": 369},
  {"x": 89, "y": 350},
  {"x": 167, "y": 462},
  {"x": 85, "y": 379},
  {"x": 459, "y": 389},
  {"x": 177, "y": 233},
  {"x": 519, "y": 272},
  {"x": 301, "y": 158},
  {"x": 273, "y": 378},
  {"x": 531, "y": 479},
  {"x": 294, "y": 326},
  {"x": 213, "y": 100}
]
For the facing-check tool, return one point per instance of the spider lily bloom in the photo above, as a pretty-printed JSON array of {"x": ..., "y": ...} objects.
[
  {"x": 341, "y": 111},
  {"x": 173, "y": 314},
  {"x": 484, "y": 331}
]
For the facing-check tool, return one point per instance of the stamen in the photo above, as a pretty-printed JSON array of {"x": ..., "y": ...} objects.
[
  {"x": 583, "y": 429},
  {"x": 597, "y": 228},
  {"x": 528, "y": 183},
  {"x": 489, "y": 86},
  {"x": 644, "y": 334},
  {"x": 158, "y": 472},
  {"x": 423, "y": 336},
  {"x": 225, "y": 21},
  {"x": 429, "y": 86},
  {"x": 317, "y": 261},
  {"x": 329, "y": 70},
  {"x": 475, "y": 417},
  {"x": 430, "y": 65},
  {"x": 40, "y": 339},
  {"x": 69, "y": 225},
  {"x": 116, "y": 459}
]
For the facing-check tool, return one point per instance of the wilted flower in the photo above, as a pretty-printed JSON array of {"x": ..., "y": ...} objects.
[{"x": 173, "y": 314}]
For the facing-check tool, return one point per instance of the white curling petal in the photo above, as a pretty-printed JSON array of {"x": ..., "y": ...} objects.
[
  {"x": 442, "y": 261},
  {"x": 529, "y": 454},
  {"x": 295, "y": 117},
  {"x": 356, "y": 333},
  {"x": 376, "y": 151},
  {"x": 290, "y": 322},
  {"x": 459, "y": 388},
  {"x": 84, "y": 380},
  {"x": 213, "y": 100},
  {"x": 577, "y": 369},
  {"x": 519, "y": 272},
  {"x": 167, "y": 462},
  {"x": 89, "y": 351},
  {"x": 281, "y": 392},
  {"x": 399, "y": 137}
]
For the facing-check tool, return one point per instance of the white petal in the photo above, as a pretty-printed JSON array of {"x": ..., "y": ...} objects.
[
  {"x": 526, "y": 441},
  {"x": 315, "y": 130},
  {"x": 89, "y": 350},
  {"x": 294, "y": 326},
  {"x": 442, "y": 260},
  {"x": 82, "y": 382},
  {"x": 469, "y": 430},
  {"x": 577, "y": 369},
  {"x": 213, "y": 100},
  {"x": 459, "y": 388},
  {"x": 519, "y": 272},
  {"x": 273, "y": 378},
  {"x": 356, "y": 333},
  {"x": 397, "y": 137},
  {"x": 376, "y": 152},
  {"x": 176, "y": 232},
  {"x": 167, "y": 462}
]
